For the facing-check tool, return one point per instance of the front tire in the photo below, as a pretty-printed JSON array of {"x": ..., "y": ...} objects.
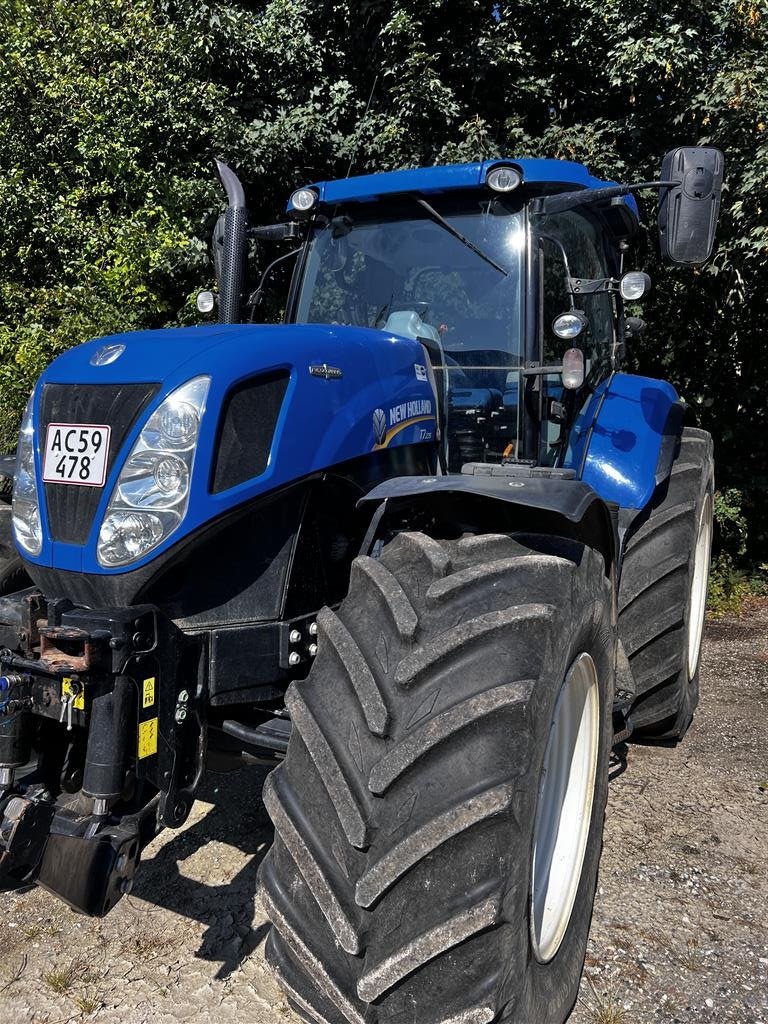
[{"x": 438, "y": 817}]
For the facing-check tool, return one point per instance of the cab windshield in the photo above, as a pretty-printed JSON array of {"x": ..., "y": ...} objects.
[{"x": 396, "y": 268}]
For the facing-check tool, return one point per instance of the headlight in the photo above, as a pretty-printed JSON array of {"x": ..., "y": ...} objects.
[
  {"x": 154, "y": 480},
  {"x": 26, "y": 508},
  {"x": 126, "y": 536},
  {"x": 634, "y": 285},
  {"x": 152, "y": 492},
  {"x": 569, "y": 325}
]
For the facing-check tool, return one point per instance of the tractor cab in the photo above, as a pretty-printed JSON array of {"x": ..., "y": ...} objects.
[
  {"x": 510, "y": 274},
  {"x": 468, "y": 262}
]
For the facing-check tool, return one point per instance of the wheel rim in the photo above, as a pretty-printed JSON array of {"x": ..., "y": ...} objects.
[
  {"x": 564, "y": 809},
  {"x": 699, "y": 586}
]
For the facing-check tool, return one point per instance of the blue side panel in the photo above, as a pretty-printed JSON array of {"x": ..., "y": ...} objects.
[
  {"x": 368, "y": 187},
  {"x": 380, "y": 400},
  {"x": 578, "y": 439},
  {"x": 618, "y": 435}
]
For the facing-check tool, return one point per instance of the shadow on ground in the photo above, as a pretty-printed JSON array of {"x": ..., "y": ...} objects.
[{"x": 238, "y": 821}]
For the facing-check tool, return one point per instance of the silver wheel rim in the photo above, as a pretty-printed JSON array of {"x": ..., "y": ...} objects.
[
  {"x": 564, "y": 809},
  {"x": 699, "y": 586}
]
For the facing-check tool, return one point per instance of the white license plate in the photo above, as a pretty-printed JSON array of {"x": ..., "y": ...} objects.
[{"x": 76, "y": 453}]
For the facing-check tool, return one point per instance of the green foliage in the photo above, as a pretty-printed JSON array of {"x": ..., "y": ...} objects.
[
  {"x": 114, "y": 109},
  {"x": 730, "y": 587},
  {"x": 101, "y": 225},
  {"x": 730, "y": 582},
  {"x": 731, "y": 524}
]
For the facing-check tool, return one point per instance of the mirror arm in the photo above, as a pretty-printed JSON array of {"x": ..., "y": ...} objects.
[
  {"x": 559, "y": 245},
  {"x": 276, "y": 232},
  {"x": 546, "y": 205},
  {"x": 591, "y": 286}
]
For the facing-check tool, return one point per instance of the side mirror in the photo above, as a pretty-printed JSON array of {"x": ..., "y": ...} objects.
[{"x": 688, "y": 209}]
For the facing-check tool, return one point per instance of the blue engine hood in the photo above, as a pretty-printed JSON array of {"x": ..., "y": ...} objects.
[{"x": 381, "y": 399}]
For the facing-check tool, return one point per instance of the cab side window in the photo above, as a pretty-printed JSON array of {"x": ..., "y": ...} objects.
[
  {"x": 570, "y": 245},
  {"x": 573, "y": 237}
]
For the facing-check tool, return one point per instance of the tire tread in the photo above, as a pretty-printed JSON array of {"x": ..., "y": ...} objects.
[{"x": 398, "y": 925}]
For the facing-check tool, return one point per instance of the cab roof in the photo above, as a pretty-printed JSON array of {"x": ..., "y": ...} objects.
[{"x": 446, "y": 177}]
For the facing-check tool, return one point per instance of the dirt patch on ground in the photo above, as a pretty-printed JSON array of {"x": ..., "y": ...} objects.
[{"x": 680, "y": 932}]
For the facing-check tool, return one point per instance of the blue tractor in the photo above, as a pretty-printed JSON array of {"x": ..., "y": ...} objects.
[{"x": 423, "y": 547}]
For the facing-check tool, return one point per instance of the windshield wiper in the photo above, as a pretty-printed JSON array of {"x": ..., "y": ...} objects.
[{"x": 462, "y": 238}]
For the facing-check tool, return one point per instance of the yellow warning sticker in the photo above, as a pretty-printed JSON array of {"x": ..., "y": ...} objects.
[
  {"x": 148, "y": 692},
  {"x": 66, "y": 691},
  {"x": 148, "y": 738}
]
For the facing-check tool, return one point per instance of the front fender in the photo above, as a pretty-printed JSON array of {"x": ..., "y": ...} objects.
[
  {"x": 623, "y": 441},
  {"x": 551, "y": 504}
]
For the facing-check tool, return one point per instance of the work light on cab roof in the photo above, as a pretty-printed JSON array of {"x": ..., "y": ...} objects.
[
  {"x": 503, "y": 179},
  {"x": 303, "y": 199}
]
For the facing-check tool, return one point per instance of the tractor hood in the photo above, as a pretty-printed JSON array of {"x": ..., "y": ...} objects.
[
  {"x": 176, "y": 354},
  {"x": 283, "y": 402}
]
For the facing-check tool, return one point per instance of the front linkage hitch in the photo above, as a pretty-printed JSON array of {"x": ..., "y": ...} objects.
[{"x": 101, "y": 743}]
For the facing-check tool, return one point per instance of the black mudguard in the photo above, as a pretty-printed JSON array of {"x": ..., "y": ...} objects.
[{"x": 551, "y": 502}]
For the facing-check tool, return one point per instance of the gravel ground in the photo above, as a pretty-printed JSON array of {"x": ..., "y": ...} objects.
[{"x": 680, "y": 932}]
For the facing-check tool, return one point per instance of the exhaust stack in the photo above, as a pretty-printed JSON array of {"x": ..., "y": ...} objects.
[{"x": 229, "y": 245}]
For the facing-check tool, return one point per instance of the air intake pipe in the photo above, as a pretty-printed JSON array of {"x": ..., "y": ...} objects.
[{"x": 229, "y": 247}]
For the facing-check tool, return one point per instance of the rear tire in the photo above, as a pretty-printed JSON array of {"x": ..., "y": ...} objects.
[
  {"x": 420, "y": 778},
  {"x": 662, "y": 594}
]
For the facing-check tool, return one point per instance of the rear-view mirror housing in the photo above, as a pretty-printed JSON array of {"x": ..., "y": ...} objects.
[{"x": 688, "y": 210}]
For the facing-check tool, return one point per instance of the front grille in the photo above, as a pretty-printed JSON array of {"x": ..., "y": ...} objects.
[{"x": 71, "y": 508}]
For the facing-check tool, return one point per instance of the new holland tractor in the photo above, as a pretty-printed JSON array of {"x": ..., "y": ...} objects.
[{"x": 424, "y": 547}]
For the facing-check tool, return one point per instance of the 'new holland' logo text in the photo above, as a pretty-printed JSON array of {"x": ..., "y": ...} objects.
[{"x": 409, "y": 410}]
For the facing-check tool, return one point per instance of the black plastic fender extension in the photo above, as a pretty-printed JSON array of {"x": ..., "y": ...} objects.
[{"x": 503, "y": 503}]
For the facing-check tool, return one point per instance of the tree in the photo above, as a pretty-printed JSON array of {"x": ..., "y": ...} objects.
[{"x": 114, "y": 110}]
